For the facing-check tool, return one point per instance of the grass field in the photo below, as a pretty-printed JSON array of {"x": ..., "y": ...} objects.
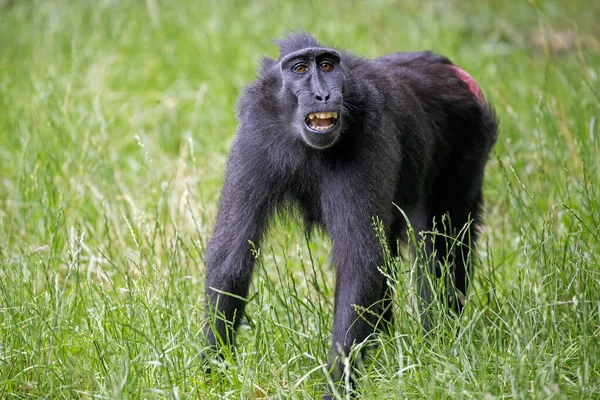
[{"x": 115, "y": 122}]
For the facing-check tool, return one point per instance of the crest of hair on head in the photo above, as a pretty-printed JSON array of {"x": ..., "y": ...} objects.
[{"x": 295, "y": 41}]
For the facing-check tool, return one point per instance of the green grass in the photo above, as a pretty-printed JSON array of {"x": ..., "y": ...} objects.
[{"x": 115, "y": 121}]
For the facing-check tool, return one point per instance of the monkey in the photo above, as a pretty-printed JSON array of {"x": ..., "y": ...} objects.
[{"x": 402, "y": 138}]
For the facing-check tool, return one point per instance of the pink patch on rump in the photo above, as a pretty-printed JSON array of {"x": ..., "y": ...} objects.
[{"x": 468, "y": 79}]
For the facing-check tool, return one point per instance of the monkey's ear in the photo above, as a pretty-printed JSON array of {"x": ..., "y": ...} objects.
[{"x": 266, "y": 64}]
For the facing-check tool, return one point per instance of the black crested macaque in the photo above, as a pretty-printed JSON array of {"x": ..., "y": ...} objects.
[{"x": 349, "y": 140}]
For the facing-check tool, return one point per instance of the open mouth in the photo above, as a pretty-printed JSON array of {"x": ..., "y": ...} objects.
[{"x": 321, "y": 122}]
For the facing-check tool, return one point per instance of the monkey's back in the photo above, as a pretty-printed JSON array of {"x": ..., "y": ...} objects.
[{"x": 463, "y": 124}]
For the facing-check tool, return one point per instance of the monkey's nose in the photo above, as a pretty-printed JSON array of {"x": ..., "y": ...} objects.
[{"x": 322, "y": 97}]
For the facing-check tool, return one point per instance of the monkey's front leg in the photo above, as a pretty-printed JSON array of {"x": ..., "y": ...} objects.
[
  {"x": 229, "y": 266},
  {"x": 246, "y": 203},
  {"x": 358, "y": 257},
  {"x": 359, "y": 284}
]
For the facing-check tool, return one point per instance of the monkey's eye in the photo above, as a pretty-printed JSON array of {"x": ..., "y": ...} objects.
[
  {"x": 326, "y": 66},
  {"x": 300, "y": 68}
]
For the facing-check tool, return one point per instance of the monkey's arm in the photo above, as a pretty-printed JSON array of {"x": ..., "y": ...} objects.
[
  {"x": 247, "y": 200},
  {"x": 350, "y": 201}
]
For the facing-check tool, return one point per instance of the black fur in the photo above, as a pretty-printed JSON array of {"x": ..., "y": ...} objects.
[{"x": 410, "y": 133}]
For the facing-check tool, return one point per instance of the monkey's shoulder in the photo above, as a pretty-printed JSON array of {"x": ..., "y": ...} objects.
[{"x": 261, "y": 96}]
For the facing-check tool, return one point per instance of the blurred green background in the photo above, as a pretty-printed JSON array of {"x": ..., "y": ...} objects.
[{"x": 115, "y": 122}]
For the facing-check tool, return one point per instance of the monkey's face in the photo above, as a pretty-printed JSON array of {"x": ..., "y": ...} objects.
[{"x": 313, "y": 80}]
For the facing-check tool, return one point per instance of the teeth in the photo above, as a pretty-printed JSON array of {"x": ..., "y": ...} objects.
[
  {"x": 323, "y": 128},
  {"x": 324, "y": 115}
]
